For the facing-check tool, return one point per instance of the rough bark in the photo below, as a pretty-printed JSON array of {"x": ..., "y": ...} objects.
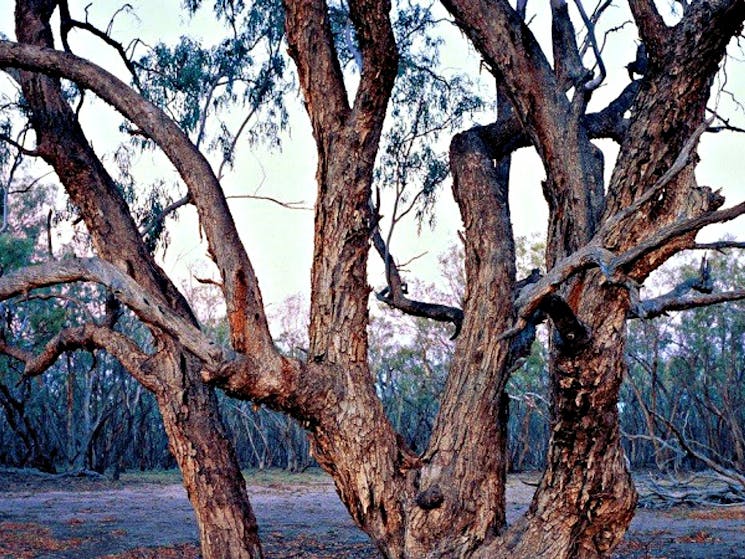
[
  {"x": 586, "y": 500},
  {"x": 189, "y": 409},
  {"x": 450, "y": 501},
  {"x": 466, "y": 460},
  {"x": 352, "y": 438}
]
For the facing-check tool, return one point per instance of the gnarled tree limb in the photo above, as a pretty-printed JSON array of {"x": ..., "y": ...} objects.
[
  {"x": 394, "y": 295},
  {"x": 660, "y": 305},
  {"x": 246, "y": 314},
  {"x": 149, "y": 307},
  {"x": 91, "y": 337}
]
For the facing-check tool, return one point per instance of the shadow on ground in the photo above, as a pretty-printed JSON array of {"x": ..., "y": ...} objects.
[{"x": 62, "y": 518}]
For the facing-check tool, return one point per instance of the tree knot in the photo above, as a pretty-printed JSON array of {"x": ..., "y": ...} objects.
[{"x": 431, "y": 498}]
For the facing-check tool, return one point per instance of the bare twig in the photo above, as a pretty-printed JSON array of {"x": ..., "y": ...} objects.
[
  {"x": 157, "y": 222},
  {"x": 686, "y": 446},
  {"x": 590, "y": 25},
  {"x": 67, "y": 23},
  {"x": 21, "y": 148},
  {"x": 298, "y": 205}
]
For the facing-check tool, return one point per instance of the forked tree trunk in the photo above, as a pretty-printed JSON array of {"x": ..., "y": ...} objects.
[{"x": 450, "y": 501}]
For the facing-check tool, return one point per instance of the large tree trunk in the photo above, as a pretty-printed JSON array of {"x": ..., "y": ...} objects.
[
  {"x": 189, "y": 409},
  {"x": 586, "y": 498},
  {"x": 450, "y": 501},
  {"x": 213, "y": 480},
  {"x": 465, "y": 465}
]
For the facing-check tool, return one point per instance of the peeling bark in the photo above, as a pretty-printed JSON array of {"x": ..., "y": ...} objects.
[
  {"x": 448, "y": 502},
  {"x": 189, "y": 408}
]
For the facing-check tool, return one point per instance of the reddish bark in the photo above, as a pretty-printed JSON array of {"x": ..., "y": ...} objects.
[{"x": 448, "y": 502}]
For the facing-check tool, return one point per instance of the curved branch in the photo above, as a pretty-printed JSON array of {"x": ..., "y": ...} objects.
[
  {"x": 687, "y": 447},
  {"x": 91, "y": 337},
  {"x": 590, "y": 25},
  {"x": 156, "y": 223},
  {"x": 394, "y": 295},
  {"x": 514, "y": 55},
  {"x": 610, "y": 122},
  {"x": 149, "y": 307},
  {"x": 593, "y": 255},
  {"x": 505, "y": 137},
  {"x": 660, "y": 305},
  {"x": 287, "y": 385},
  {"x": 68, "y": 23},
  {"x": 14, "y": 352},
  {"x": 246, "y": 315},
  {"x": 674, "y": 230}
]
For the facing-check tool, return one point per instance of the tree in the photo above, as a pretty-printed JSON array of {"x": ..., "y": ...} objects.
[
  {"x": 603, "y": 241},
  {"x": 683, "y": 396}
]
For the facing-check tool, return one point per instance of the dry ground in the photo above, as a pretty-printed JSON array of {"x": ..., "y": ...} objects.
[{"x": 149, "y": 517}]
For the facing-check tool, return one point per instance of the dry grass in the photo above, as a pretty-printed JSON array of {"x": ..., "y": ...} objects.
[
  {"x": 273, "y": 477},
  {"x": 26, "y": 540},
  {"x": 183, "y": 551},
  {"x": 723, "y": 513}
]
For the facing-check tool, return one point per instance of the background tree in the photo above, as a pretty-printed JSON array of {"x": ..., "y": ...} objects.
[{"x": 603, "y": 241}]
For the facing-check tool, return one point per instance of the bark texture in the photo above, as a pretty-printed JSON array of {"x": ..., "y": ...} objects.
[
  {"x": 188, "y": 407},
  {"x": 602, "y": 242}
]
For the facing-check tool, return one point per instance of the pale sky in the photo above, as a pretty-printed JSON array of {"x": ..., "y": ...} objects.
[{"x": 278, "y": 240}]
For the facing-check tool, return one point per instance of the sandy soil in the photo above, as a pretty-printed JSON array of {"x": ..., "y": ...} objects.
[{"x": 86, "y": 519}]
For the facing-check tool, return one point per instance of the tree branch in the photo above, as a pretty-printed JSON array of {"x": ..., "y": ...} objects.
[
  {"x": 377, "y": 46},
  {"x": 652, "y": 29},
  {"x": 674, "y": 230},
  {"x": 149, "y": 307},
  {"x": 67, "y": 23},
  {"x": 514, "y": 55},
  {"x": 14, "y": 352},
  {"x": 394, "y": 295},
  {"x": 567, "y": 61},
  {"x": 660, "y": 305},
  {"x": 21, "y": 148},
  {"x": 156, "y": 222},
  {"x": 309, "y": 31},
  {"x": 590, "y": 26},
  {"x": 719, "y": 245},
  {"x": 297, "y": 205},
  {"x": 680, "y": 163},
  {"x": 573, "y": 334},
  {"x": 91, "y": 337},
  {"x": 610, "y": 122},
  {"x": 703, "y": 283},
  {"x": 686, "y": 446},
  {"x": 246, "y": 316},
  {"x": 593, "y": 255},
  {"x": 506, "y": 137}
]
